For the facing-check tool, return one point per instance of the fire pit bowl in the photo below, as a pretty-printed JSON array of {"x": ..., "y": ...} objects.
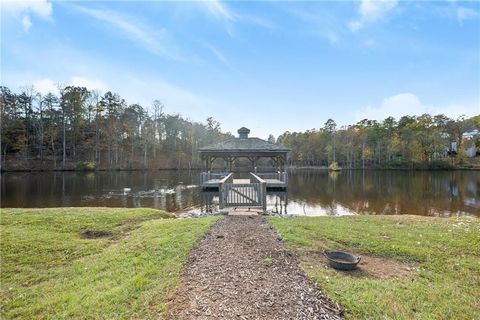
[{"x": 342, "y": 260}]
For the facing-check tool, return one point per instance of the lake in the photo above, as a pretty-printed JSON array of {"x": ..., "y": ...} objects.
[{"x": 310, "y": 192}]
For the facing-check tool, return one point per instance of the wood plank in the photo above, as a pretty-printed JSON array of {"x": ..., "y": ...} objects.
[
  {"x": 241, "y": 181},
  {"x": 243, "y": 212}
]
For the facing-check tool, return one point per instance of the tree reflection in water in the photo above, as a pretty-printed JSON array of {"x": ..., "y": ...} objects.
[{"x": 310, "y": 192}]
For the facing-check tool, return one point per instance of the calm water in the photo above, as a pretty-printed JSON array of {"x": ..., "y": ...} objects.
[{"x": 309, "y": 192}]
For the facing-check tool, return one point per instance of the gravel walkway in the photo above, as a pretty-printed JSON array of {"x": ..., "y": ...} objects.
[{"x": 242, "y": 270}]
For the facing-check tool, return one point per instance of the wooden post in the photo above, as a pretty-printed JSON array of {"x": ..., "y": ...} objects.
[
  {"x": 220, "y": 196},
  {"x": 264, "y": 196},
  {"x": 221, "y": 193}
]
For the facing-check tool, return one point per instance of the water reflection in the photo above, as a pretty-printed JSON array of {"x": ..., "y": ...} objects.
[
  {"x": 309, "y": 192},
  {"x": 169, "y": 190},
  {"x": 387, "y": 192}
]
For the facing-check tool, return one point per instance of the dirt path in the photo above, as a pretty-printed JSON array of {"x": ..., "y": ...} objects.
[{"x": 241, "y": 270}]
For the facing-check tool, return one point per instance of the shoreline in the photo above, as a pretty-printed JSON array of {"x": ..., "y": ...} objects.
[
  {"x": 99, "y": 170},
  {"x": 323, "y": 168},
  {"x": 290, "y": 168}
]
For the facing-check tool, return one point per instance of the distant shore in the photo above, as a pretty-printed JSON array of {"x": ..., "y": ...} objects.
[
  {"x": 316, "y": 168},
  {"x": 85, "y": 166},
  {"x": 98, "y": 170},
  {"x": 385, "y": 169}
]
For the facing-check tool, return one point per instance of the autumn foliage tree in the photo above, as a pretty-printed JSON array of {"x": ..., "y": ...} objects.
[{"x": 75, "y": 126}]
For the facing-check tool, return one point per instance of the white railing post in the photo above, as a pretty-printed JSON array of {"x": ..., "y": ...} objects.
[
  {"x": 264, "y": 196},
  {"x": 262, "y": 190},
  {"x": 223, "y": 190},
  {"x": 221, "y": 195}
]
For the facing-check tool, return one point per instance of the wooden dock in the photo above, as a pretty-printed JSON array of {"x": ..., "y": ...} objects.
[
  {"x": 243, "y": 193},
  {"x": 243, "y": 212},
  {"x": 274, "y": 180}
]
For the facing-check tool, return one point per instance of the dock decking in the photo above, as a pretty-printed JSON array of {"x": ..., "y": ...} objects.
[
  {"x": 274, "y": 180},
  {"x": 251, "y": 193},
  {"x": 271, "y": 183}
]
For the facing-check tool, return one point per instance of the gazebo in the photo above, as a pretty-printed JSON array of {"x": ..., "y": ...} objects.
[
  {"x": 244, "y": 147},
  {"x": 251, "y": 192}
]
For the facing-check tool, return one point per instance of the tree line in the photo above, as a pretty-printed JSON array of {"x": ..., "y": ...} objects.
[
  {"x": 426, "y": 141},
  {"x": 78, "y": 128}
]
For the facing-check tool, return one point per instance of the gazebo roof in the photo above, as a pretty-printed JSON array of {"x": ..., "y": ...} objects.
[{"x": 244, "y": 144}]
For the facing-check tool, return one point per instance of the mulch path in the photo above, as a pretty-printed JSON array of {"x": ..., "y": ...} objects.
[{"x": 242, "y": 270}]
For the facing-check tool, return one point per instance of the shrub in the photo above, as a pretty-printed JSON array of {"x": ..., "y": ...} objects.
[
  {"x": 400, "y": 163},
  {"x": 85, "y": 166},
  {"x": 334, "y": 166},
  {"x": 441, "y": 165}
]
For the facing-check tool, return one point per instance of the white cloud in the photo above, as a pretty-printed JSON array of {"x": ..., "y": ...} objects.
[
  {"x": 45, "y": 86},
  {"x": 221, "y": 11},
  {"x": 371, "y": 11},
  {"x": 90, "y": 84},
  {"x": 217, "y": 53},
  {"x": 404, "y": 104},
  {"x": 155, "y": 41},
  {"x": 143, "y": 89},
  {"x": 465, "y": 13},
  {"x": 26, "y": 23},
  {"x": 355, "y": 25},
  {"x": 41, "y": 8},
  {"x": 22, "y": 10},
  {"x": 218, "y": 10}
]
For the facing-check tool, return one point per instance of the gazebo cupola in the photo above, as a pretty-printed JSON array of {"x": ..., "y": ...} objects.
[{"x": 243, "y": 133}]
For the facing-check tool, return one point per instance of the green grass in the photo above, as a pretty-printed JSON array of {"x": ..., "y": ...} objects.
[
  {"x": 444, "y": 254},
  {"x": 49, "y": 270},
  {"x": 268, "y": 262}
]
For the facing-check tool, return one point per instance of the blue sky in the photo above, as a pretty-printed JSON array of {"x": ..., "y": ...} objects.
[{"x": 270, "y": 66}]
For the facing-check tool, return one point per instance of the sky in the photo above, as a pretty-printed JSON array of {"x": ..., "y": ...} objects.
[{"x": 270, "y": 66}]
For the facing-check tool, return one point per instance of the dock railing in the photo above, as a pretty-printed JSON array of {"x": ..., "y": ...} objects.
[
  {"x": 222, "y": 188},
  {"x": 251, "y": 194},
  {"x": 262, "y": 189},
  {"x": 281, "y": 176},
  {"x": 207, "y": 176}
]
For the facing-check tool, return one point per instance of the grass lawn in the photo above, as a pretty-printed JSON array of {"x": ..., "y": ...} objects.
[
  {"x": 442, "y": 254},
  {"x": 52, "y": 268}
]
